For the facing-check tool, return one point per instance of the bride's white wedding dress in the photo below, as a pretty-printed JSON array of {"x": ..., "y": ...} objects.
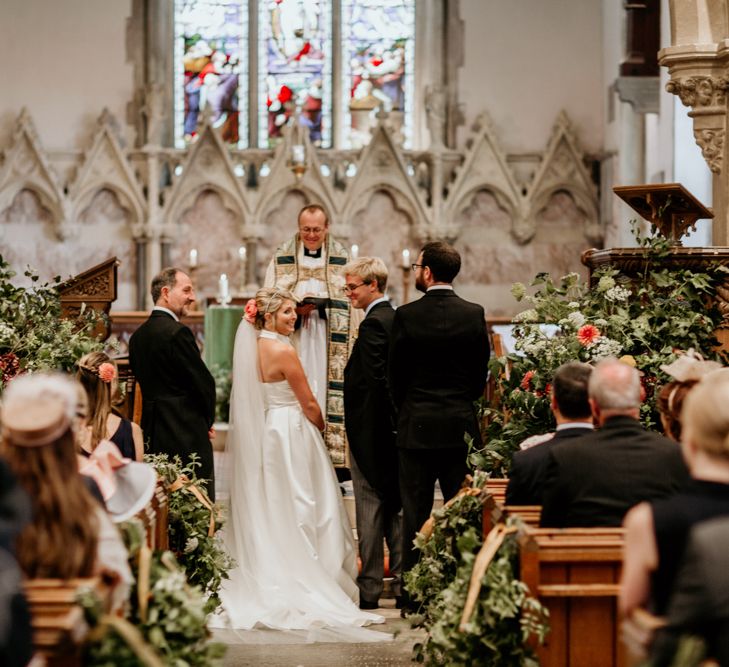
[{"x": 287, "y": 527}]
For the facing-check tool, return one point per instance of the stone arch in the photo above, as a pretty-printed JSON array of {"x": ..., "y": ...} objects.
[
  {"x": 402, "y": 201},
  {"x": 218, "y": 251}
]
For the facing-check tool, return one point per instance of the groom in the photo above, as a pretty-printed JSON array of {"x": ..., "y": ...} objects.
[
  {"x": 439, "y": 355},
  {"x": 370, "y": 422}
]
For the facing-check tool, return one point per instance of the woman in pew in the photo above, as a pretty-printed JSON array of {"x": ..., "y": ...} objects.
[
  {"x": 657, "y": 532},
  {"x": 70, "y": 534},
  {"x": 686, "y": 371},
  {"x": 98, "y": 376}
]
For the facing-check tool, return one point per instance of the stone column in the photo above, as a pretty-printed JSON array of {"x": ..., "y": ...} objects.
[{"x": 700, "y": 77}]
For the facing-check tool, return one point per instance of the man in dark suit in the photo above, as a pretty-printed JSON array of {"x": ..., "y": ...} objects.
[
  {"x": 178, "y": 391},
  {"x": 438, "y": 366},
  {"x": 370, "y": 421},
  {"x": 594, "y": 480},
  {"x": 571, "y": 410}
]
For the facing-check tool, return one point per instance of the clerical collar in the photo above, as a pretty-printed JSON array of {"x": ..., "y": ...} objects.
[{"x": 312, "y": 253}]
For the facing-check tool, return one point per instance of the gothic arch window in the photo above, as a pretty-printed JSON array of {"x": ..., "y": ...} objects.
[{"x": 255, "y": 64}]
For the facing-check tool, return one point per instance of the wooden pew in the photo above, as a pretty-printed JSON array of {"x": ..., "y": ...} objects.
[
  {"x": 59, "y": 628},
  {"x": 575, "y": 573},
  {"x": 497, "y": 488}
]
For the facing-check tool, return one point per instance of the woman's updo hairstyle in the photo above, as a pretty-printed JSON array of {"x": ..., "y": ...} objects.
[
  {"x": 670, "y": 403},
  {"x": 269, "y": 300},
  {"x": 705, "y": 418}
]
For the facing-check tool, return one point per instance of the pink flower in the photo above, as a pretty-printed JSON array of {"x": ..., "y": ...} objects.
[
  {"x": 107, "y": 372},
  {"x": 587, "y": 334},
  {"x": 526, "y": 381},
  {"x": 251, "y": 310}
]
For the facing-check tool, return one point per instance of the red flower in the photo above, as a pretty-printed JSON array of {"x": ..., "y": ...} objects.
[
  {"x": 107, "y": 372},
  {"x": 251, "y": 310},
  {"x": 587, "y": 334},
  {"x": 9, "y": 366},
  {"x": 526, "y": 381}
]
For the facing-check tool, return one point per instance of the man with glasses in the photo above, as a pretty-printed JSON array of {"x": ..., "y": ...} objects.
[
  {"x": 439, "y": 355},
  {"x": 310, "y": 266},
  {"x": 371, "y": 431}
]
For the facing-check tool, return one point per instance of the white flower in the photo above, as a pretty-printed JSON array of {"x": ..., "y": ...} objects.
[
  {"x": 573, "y": 304},
  {"x": 617, "y": 293},
  {"x": 6, "y": 331},
  {"x": 518, "y": 291},
  {"x": 530, "y": 315},
  {"x": 605, "y": 283},
  {"x": 600, "y": 322},
  {"x": 605, "y": 347},
  {"x": 576, "y": 319},
  {"x": 191, "y": 545}
]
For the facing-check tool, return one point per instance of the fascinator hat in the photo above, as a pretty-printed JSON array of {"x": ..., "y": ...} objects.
[
  {"x": 690, "y": 366},
  {"x": 37, "y": 409}
]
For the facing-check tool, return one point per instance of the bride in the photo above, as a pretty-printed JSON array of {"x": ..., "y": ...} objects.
[{"x": 287, "y": 528}]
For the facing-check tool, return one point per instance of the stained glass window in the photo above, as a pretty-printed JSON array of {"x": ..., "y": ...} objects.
[
  {"x": 292, "y": 72},
  {"x": 210, "y": 62},
  {"x": 378, "y": 54},
  {"x": 295, "y": 68}
]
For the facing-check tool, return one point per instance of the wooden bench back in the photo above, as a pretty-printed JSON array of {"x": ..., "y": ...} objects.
[
  {"x": 497, "y": 488},
  {"x": 575, "y": 573},
  {"x": 58, "y": 621}
]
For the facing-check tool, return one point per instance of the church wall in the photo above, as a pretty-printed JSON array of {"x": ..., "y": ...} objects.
[
  {"x": 525, "y": 61},
  {"x": 64, "y": 61}
]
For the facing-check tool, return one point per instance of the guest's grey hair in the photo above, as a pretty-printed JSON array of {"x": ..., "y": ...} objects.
[{"x": 614, "y": 385}]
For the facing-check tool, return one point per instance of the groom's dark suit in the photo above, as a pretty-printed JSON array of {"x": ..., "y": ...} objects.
[
  {"x": 370, "y": 422},
  {"x": 178, "y": 391},
  {"x": 438, "y": 365}
]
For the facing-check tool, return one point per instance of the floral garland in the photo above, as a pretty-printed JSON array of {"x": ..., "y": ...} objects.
[{"x": 646, "y": 322}]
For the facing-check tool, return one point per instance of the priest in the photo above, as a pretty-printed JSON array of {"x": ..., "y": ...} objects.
[{"x": 310, "y": 265}]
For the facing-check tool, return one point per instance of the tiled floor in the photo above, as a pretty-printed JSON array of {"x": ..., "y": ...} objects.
[{"x": 391, "y": 653}]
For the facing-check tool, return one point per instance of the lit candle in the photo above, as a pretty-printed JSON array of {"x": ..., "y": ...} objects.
[
  {"x": 355, "y": 251},
  {"x": 242, "y": 253},
  {"x": 193, "y": 258},
  {"x": 298, "y": 155},
  {"x": 223, "y": 285},
  {"x": 406, "y": 259}
]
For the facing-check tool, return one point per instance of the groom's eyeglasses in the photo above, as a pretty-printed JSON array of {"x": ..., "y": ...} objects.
[
  {"x": 415, "y": 267},
  {"x": 348, "y": 289}
]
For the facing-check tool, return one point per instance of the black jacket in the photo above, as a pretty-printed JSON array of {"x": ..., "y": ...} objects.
[
  {"x": 438, "y": 366},
  {"x": 369, "y": 413},
  {"x": 529, "y": 468},
  {"x": 178, "y": 391},
  {"x": 596, "y": 479}
]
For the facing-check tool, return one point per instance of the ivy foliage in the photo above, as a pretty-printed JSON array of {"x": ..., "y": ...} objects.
[
  {"x": 505, "y": 615},
  {"x": 33, "y": 336},
  {"x": 175, "y": 623},
  {"x": 645, "y": 320},
  {"x": 202, "y": 556}
]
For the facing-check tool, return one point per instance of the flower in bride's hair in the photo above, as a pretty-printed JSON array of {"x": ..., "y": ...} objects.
[
  {"x": 107, "y": 372},
  {"x": 251, "y": 310}
]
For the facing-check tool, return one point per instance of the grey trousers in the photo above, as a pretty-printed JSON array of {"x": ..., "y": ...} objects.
[{"x": 374, "y": 527}]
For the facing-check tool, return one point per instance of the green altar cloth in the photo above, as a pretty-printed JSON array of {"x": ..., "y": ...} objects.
[{"x": 221, "y": 323}]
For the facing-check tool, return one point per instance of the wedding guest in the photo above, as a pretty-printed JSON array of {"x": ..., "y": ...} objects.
[
  {"x": 178, "y": 391},
  {"x": 686, "y": 371},
  {"x": 700, "y": 601},
  {"x": 595, "y": 479},
  {"x": 370, "y": 420},
  {"x": 310, "y": 266},
  {"x": 438, "y": 364},
  {"x": 97, "y": 374},
  {"x": 656, "y": 532},
  {"x": 70, "y": 534},
  {"x": 571, "y": 409}
]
